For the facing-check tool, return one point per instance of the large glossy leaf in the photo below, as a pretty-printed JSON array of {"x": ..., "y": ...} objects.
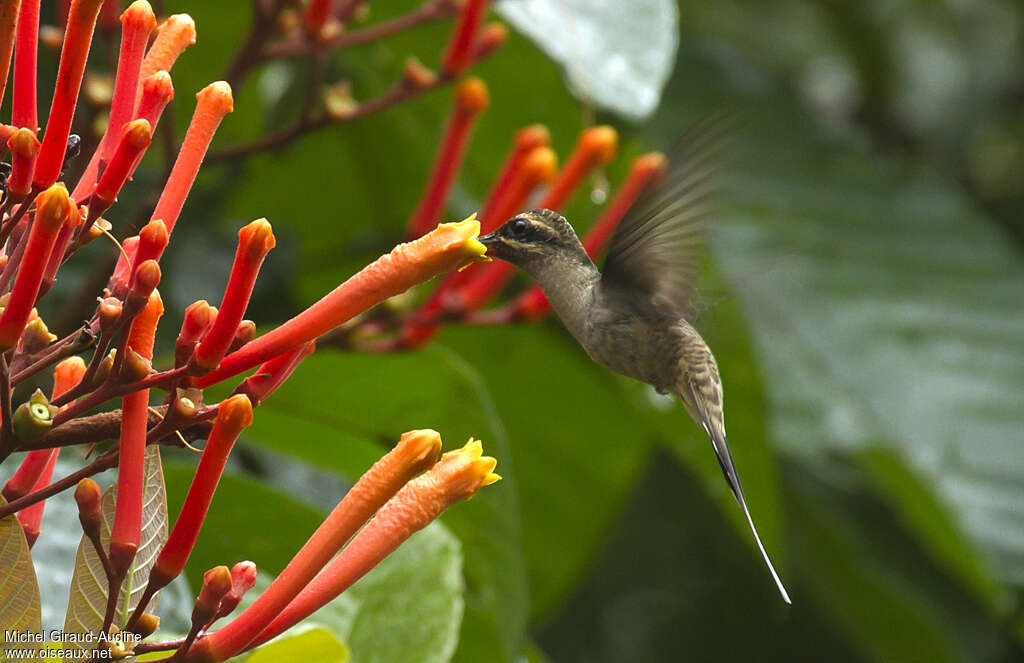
[
  {"x": 88, "y": 601},
  {"x": 19, "y": 593},
  {"x": 316, "y": 645},
  {"x": 408, "y": 608}
]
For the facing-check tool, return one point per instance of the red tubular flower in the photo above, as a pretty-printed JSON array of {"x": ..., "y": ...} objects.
[
  {"x": 214, "y": 102},
  {"x": 173, "y": 36},
  {"x": 52, "y": 208},
  {"x": 456, "y": 477},
  {"x": 60, "y": 246},
  {"x": 272, "y": 374},
  {"x": 8, "y": 25},
  {"x": 596, "y": 145},
  {"x": 243, "y": 577},
  {"x": 31, "y": 517},
  {"x": 492, "y": 37},
  {"x": 416, "y": 451},
  {"x": 527, "y": 139},
  {"x": 460, "y": 52},
  {"x": 254, "y": 243},
  {"x": 26, "y": 50},
  {"x": 471, "y": 98},
  {"x": 24, "y": 148},
  {"x": 27, "y": 475},
  {"x": 135, "y": 138},
  {"x": 448, "y": 247},
  {"x": 125, "y": 262},
  {"x": 233, "y": 415},
  {"x": 126, "y": 530},
  {"x": 77, "y": 38},
  {"x": 645, "y": 170},
  {"x": 137, "y": 22},
  {"x": 157, "y": 92}
]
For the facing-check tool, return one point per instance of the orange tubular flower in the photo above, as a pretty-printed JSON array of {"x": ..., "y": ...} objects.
[
  {"x": 233, "y": 415},
  {"x": 645, "y": 170},
  {"x": 456, "y": 477},
  {"x": 24, "y": 148},
  {"x": 198, "y": 317},
  {"x": 460, "y": 52},
  {"x": 26, "y": 51},
  {"x": 153, "y": 240},
  {"x": 471, "y": 99},
  {"x": 173, "y": 36},
  {"x": 157, "y": 92},
  {"x": 448, "y": 247},
  {"x": 77, "y": 38},
  {"x": 137, "y": 22},
  {"x": 52, "y": 207},
  {"x": 415, "y": 452},
  {"x": 273, "y": 373},
  {"x": 214, "y": 102},
  {"x": 254, "y": 243},
  {"x": 8, "y": 25},
  {"x": 596, "y": 145},
  {"x": 126, "y": 531},
  {"x": 135, "y": 138},
  {"x": 527, "y": 139}
]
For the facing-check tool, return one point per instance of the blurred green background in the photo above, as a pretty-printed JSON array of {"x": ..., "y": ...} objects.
[{"x": 864, "y": 298}]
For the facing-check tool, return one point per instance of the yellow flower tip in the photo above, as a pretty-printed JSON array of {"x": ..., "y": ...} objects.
[
  {"x": 218, "y": 96},
  {"x": 457, "y": 241},
  {"x": 464, "y": 471},
  {"x": 473, "y": 449},
  {"x": 53, "y": 206},
  {"x": 491, "y": 478},
  {"x": 602, "y": 141},
  {"x": 141, "y": 14}
]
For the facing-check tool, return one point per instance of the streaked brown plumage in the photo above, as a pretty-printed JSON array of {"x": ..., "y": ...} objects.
[{"x": 634, "y": 318}]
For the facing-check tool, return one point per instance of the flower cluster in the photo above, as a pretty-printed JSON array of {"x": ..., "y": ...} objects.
[{"x": 53, "y": 206}]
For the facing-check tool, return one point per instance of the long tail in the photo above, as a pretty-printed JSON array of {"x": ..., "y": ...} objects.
[{"x": 705, "y": 398}]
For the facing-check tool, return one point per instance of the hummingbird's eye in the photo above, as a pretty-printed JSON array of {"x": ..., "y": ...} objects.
[{"x": 518, "y": 228}]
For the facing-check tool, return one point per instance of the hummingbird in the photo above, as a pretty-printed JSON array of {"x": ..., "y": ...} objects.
[{"x": 635, "y": 317}]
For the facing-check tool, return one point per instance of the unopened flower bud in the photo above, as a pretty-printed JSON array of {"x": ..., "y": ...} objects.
[
  {"x": 136, "y": 367},
  {"x": 246, "y": 332},
  {"x": 216, "y": 585},
  {"x": 34, "y": 417},
  {"x": 103, "y": 370},
  {"x": 36, "y": 337},
  {"x": 186, "y": 403},
  {"x": 416, "y": 75},
  {"x": 89, "y": 496},
  {"x": 492, "y": 37},
  {"x": 146, "y": 625},
  {"x": 98, "y": 228},
  {"x": 109, "y": 314},
  {"x": 243, "y": 577}
]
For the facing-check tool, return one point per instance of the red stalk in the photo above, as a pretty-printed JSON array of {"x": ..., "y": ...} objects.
[
  {"x": 272, "y": 374},
  {"x": 460, "y": 51},
  {"x": 137, "y": 22},
  {"x": 233, "y": 415},
  {"x": 52, "y": 208},
  {"x": 126, "y": 531},
  {"x": 26, "y": 51},
  {"x": 135, "y": 138},
  {"x": 471, "y": 98},
  {"x": 77, "y": 39},
  {"x": 254, "y": 243},
  {"x": 8, "y": 26}
]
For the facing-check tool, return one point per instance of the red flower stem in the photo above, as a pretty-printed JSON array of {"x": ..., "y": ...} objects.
[
  {"x": 233, "y": 415},
  {"x": 32, "y": 517},
  {"x": 214, "y": 102},
  {"x": 532, "y": 304},
  {"x": 137, "y": 22},
  {"x": 52, "y": 208},
  {"x": 527, "y": 139},
  {"x": 415, "y": 452},
  {"x": 272, "y": 374},
  {"x": 254, "y": 243},
  {"x": 460, "y": 52},
  {"x": 135, "y": 138},
  {"x": 77, "y": 38},
  {"x": 8, "y": 26},
  {"x": 26, "y": 51},
  {"x": 471, "y": 98},
  {"x": 448, "y": 247},
  {"x": 126, "y": 530}
]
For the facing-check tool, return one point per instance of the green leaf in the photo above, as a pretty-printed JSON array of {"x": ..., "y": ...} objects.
[
  {"x": 20, "y": 607},
  {"x": 88, "y": 601},
  {"x": 315, "y": 645},
  {"x": 408, "y": 608}
]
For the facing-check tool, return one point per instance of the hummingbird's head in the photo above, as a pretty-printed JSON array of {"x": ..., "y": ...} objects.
[{"x": 530, "y": 238}]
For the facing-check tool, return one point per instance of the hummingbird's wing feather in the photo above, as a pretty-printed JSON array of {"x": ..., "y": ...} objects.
[
  {"x": 658, "y": 245},
  {"x": 700, "y": 389}
]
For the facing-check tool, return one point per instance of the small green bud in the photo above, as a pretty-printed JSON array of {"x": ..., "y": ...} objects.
[
  {"x": 34, "y": 417},
  {"x": 36, "y": 337}
]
